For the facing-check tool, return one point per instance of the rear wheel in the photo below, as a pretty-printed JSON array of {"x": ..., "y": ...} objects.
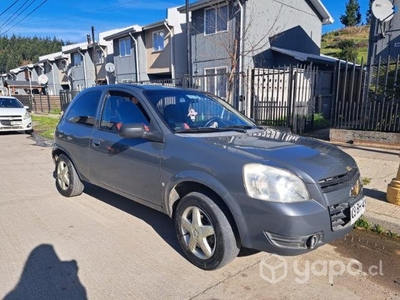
[
  {"x": 67, "y": 180},
  {"x": 204, "y": 233}
]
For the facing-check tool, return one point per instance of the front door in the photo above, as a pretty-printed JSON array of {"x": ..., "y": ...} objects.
[{"x": 130, "y": 166}]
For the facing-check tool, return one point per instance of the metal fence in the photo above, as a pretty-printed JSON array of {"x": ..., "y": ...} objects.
[
  {"x": 283, "y": 96},
  {"x": 367, "y": 96}
]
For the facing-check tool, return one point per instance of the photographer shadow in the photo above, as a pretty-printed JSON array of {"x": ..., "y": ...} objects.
[{"x": 45, "y": 276}]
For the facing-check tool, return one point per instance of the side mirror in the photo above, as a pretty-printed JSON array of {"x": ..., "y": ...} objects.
[{"x": 139, "y": 130}]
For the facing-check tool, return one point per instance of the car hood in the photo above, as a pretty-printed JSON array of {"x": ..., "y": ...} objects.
[
  {"x": 12, "y": 111},
  {"x": 309, "y": 158}
]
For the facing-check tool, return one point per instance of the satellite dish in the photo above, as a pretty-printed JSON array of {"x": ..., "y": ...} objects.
[
  {"x": 383, "y": 10},
  {"x": 110, "y": 67},
  {"x": 43, "y": 79}
]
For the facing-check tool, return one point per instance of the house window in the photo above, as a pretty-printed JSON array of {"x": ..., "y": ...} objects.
[
  {"x": 158, "y": 41},
  {"x": 125, "y": 47},
  {"x": 47, "y": 67},
  {"x": 216, "y": 19},
  {"x": 99, "y": 56},
  {"x": 216, "y": 81},
  {"x": 76, "y": 59}
]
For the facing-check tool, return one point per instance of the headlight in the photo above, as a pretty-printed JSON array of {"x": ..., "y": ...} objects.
[
  {"x": 27, "y": 115},
  {"x": 273, "y": 184}
]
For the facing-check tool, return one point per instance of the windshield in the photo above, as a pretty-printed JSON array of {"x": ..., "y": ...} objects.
[
  {"x": 10, "y": 103},
  {"x": 193, "y": 111}
]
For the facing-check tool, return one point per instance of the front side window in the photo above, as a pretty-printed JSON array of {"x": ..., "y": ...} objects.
[
  {"x": 121, "y": 108},
  {"x": 125, "y": 47},
  {"x": 216, "y": 81},
  {"x": 77, "y": 59},
  {"x": 158, "y": 40},
  {"x": 216, "y": 19},
  {"x": 83, "y": 109}
]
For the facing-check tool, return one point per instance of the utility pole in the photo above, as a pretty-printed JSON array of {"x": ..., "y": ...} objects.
[
  {"x": 94, "y": 56},
  {"x": 189, "y": 45}
]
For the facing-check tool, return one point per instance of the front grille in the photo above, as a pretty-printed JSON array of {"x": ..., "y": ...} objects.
[
  {"x": 9, "y": 121},
  {"x": 340, "y": 215},
  {"x": 338, "y": 182}
]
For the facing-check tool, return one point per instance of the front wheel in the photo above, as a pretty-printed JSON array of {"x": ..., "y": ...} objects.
[
  {"x": 204, "y": 233},
  {"x": 68, "y": 182}
]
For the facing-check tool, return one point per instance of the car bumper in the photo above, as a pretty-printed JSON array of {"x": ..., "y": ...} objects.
[
  {"x": 16, "y": 125},
  {"x": 290, "y": 228}
]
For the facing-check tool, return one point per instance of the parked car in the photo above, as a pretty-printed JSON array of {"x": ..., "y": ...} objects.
[
  {"x": 226, "y": 182},
  {"x": 14, "y": 116}
]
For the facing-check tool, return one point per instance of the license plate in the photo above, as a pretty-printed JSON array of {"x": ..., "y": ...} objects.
[
  {"x": 357, "y": 210},
  {"x": 15, "y": 123}
]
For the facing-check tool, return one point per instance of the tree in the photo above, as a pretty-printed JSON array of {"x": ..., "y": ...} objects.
[
  {"x": 352, "y": 16},
  {"x": 348, "y": 50}
]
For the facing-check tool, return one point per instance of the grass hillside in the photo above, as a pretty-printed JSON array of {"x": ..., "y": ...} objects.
[{"x": 359, "y": 34}]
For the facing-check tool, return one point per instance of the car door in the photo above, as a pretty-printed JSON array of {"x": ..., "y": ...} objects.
[{"x": 127, "y": 166}]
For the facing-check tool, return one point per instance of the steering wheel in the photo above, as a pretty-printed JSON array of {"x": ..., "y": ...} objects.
[{"x": 212, "y": 120}]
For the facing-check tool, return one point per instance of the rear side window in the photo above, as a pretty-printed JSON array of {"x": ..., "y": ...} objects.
[{"x": 84, "y": 109}]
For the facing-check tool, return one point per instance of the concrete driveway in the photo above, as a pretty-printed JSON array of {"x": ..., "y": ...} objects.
[{"x": 103, "y": 246}]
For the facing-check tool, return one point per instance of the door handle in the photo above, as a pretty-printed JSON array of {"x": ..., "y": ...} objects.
[{"x": 96, "y": 143}]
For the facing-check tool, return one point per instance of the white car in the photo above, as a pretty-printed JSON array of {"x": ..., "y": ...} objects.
[{"x": 14, "y": 116}]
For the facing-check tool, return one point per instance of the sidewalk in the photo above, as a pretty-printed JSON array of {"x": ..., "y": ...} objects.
[{"x": 380, "y": 166}]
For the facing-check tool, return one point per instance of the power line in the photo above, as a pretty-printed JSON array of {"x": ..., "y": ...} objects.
[
  {"x": 88, "y": 12},
  {"x": 17, "y": 16},
  {"x": 23, "y": 4},
  {"x": 37, "y": 7},
  {"x": 8, "y": 7}
]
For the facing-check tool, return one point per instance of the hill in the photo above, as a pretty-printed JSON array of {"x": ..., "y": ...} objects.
[
  {"x": 18, "y": 51},
  {"x": 331, "y": 41}
]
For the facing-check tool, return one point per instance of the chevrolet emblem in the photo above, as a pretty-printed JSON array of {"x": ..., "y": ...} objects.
[{"x": 356, "y": 189}]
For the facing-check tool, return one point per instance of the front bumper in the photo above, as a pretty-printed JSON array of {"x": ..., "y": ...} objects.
[
  {"x": 294, "y": 228},
  {"x": 15, "y": 125}
]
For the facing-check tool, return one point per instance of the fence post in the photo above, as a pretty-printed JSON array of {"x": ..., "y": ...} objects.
[
  {"x": 48, "y": 103},
  {"x": 289, "y": 98}
]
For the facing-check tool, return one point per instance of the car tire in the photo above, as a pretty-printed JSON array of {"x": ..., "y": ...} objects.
[
  {"x": 29, "y": 131},
  {"x": 204, "y": 232},
  {"x": 68, "y": 182}
]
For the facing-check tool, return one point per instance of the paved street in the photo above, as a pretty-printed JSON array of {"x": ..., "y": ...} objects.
[{"x": 103, "y": 246}]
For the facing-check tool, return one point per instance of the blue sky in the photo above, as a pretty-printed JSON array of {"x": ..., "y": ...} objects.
[
  {"x": 337, "y": 8},
  {"x": 72, "y": 20}
]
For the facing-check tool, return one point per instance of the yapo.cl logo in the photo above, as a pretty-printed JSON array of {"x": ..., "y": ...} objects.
[{"x": 273, "y": 269}]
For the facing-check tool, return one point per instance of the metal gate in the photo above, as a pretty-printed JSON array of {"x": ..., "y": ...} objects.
[{"x": 283, "y": 96}]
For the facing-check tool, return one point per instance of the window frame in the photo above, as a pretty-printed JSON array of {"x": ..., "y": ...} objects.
[
  {"x": 99, "y": 56},
  {"x": 74, "y": 60},
  {"x": 216, "y": 20},
  {"x": 153, "y": 40},
  {"x": 215, "y": 83},
  {"x": 127, "y": 46}
]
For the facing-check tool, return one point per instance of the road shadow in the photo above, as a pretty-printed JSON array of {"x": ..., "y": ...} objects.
[
  {"x": 45, "y": 276},
  {"x": 375, "y": 194},
  {"x": 160, "y": 222}
]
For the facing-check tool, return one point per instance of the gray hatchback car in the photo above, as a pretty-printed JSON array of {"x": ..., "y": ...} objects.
[{"x": 226, "y": 182}]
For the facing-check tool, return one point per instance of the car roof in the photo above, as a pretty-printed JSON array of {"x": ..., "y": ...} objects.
[{"x": 143, "y": 87}]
